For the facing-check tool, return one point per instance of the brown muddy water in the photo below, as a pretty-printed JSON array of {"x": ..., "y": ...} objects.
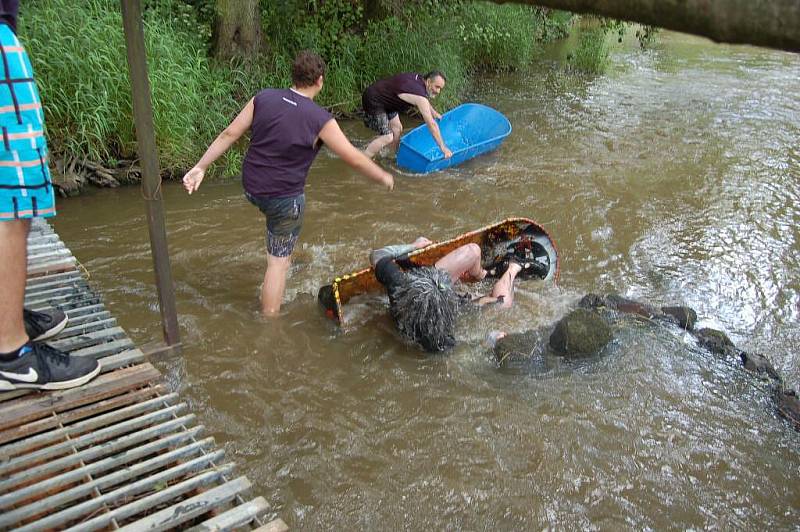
[{"x": 675, "y": 178}]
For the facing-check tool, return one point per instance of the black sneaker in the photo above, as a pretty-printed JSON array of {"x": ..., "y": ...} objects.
[
  {"x": 43, "y": 325},
  {"x": 43, "y": 367}
]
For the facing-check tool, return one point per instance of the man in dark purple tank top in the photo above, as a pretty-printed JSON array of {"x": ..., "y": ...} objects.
[
  {"x": 286, "y": 131},
  {"x": 386, "y": 98}
]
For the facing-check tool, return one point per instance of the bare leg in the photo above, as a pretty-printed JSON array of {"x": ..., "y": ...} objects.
[
  {"x": 377, "y": 145},
  {"x": 274, "y": 284},
  {"x": 397, "y": 129},
  {"x": 463, "y": 261},
  {"x": 504, "y": 287},
  {"x": 13, "y": 272}
]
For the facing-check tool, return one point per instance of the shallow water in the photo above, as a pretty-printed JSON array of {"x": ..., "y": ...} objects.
[{"x": 673, "y": 179}]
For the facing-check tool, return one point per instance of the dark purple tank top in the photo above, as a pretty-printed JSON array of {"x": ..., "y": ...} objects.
[
  {"x": 381, "y": 96},
  {"x": 282, "y": 143}
]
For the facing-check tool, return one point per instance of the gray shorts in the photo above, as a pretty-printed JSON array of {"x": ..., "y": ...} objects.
[
  {"x": 379, "y": 122},
  {"x": 284, "y": 221}
]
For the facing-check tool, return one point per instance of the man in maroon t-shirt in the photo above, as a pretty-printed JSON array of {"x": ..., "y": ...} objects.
[
  {"x": 386, "y": 98},
  {"x": 286, "y": 131}
]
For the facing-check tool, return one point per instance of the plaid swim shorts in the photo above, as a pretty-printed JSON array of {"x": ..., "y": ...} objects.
[
  {"x": 379, "y": 122},
  {"x": 284, "y": 221},
  {"x": 26, "y": 190}
]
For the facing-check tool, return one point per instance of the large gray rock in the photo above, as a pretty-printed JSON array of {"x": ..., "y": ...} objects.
[{"x": 581, "y": 333}]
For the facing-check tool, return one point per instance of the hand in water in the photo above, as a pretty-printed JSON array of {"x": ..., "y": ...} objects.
[
  {"x": 388, "y": 180},
  {"x": 193, "y": 178}
]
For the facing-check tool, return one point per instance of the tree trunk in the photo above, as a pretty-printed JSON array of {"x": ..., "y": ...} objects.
[
  {"x": 237, "y": 31},
  {"x": 771, "y": 23}
]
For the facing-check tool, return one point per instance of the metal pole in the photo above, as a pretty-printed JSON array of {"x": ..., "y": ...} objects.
[{"x": 151, "y": 176}]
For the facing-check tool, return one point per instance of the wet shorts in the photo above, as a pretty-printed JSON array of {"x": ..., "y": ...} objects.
[
  {"x": 284, "y": 221},
  {"x": 379, "y": 122},
  {"x": 26, "y": 190}
]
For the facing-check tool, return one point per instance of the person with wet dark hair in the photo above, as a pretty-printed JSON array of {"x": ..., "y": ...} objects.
[
  {"x": 386, "y": 98},
  {"x": 287, "y": 130},
  {"x": 423, "y": 301}
]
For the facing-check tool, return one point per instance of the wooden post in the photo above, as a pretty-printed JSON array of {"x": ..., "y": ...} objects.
[{"x": 151, "y": 176}]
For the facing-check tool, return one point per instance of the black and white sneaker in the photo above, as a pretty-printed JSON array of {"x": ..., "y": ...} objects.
[
  {"x": 42, "y": 367},
  {"x": 43, "y": 325}
]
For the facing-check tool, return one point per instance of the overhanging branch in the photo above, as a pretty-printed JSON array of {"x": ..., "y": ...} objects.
[{"x": 770, "y": 23}]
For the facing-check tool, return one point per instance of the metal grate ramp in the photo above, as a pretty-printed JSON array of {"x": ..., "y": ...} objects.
[{"x": 119, "y": 452}]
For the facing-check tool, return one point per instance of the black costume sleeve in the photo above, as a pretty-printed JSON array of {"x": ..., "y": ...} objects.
[{"x": 388, "y": 273}]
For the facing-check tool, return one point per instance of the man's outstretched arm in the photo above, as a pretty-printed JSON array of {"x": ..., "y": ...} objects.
[{"x": 426, "y": 111}]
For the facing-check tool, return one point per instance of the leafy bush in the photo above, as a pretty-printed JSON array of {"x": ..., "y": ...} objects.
[
  {"x": 591, "y": 54},
  {"x": 498, "y": 37}
]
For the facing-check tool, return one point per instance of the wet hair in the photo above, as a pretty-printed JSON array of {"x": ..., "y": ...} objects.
[
  {"x": 435, "y": 73},
  {"x": 307, "y": 68},
  {"x": 425, "y": 308}
]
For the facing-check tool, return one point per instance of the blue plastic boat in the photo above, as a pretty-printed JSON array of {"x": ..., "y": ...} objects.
[{"x": 468, "y": 130}]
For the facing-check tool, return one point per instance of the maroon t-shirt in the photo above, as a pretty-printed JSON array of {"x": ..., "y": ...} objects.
[
  {"x": 282, "y": 143},
  {"x": 381, "y": 96}
]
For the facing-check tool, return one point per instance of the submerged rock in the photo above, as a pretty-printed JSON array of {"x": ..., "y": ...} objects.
[
  {"x": 787, "y": 404},
  {"x": 759, "y": 364},
  {"x": 520, "y": 345},
  {"x": 716, "y": 341},
  {"x": 515, "y": 348},
  {"x": 581, "y": 333},
  {"x": 685, "y": 317}
]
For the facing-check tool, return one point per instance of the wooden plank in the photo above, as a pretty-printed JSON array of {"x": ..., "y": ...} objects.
[
  {"x": 119, "y": 427},
  {"x": 51, "y": 254},
  {"x": 81, "y": 341},
  {"x": 104, "y": 350},
  {"x": 71, "y": 431},
  {"x": 56, "y": 277},
  {"x": 87, "y": 327},
  {"x": 120, "y": 401},
  {"x": 77, "y": 321},
  {"x": 276, "y": 525},
  {"x": 68, "y": 515},
  {"x": 43, "y": 242},
  {"x": 64, "y": 280},
  {"x": 62, "y": 265},
  {"x": 92, "y": 453},
  {"x": 50, "y": 247},
  {"x": 121, "y": 360},
  {"x": 235, "y": 517},
  {"x": 189, "y": 509},
  {"x": 135, "y": 470},
  {"x": 57, "y": 290},
  {"x": 24, "y": 410},
  {"x": 84, "y": 311},
  {"x": 65, "y": 303}
]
